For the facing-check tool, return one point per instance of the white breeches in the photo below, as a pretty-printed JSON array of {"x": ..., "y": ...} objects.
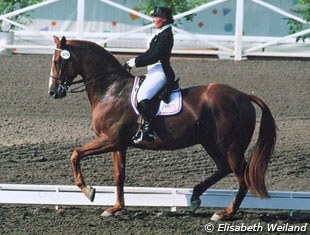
[{"x": 155, "y": 80}]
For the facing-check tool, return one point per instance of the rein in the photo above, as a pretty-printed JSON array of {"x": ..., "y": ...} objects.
[{"x": 76, "y": 89}]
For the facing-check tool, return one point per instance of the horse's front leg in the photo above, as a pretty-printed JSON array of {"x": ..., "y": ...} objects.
[
  {"x": 98, "y": 146},
  {"x": 119, "y": 165}
]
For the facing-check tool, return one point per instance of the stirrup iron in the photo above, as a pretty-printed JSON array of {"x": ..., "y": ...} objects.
[{"x": 140, "y": 136}]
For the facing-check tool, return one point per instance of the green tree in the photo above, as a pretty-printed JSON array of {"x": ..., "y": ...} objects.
[
  {"x": 302, "y": 10},
  {"x": 7, "y": 6},
  {"x": 177, "y": 6}
]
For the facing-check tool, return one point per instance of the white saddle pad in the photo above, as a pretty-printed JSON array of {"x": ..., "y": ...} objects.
[{"x": 173, "y": 108}]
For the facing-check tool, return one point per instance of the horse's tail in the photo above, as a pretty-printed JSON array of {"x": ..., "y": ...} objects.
[{"x": 262, "y": 151}]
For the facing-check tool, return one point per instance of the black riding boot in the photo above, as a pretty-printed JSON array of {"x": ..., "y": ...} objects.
[{"x": 146, "y": 131}]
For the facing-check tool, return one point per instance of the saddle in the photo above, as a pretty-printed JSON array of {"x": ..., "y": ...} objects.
[{"x": 167, "y": 102}]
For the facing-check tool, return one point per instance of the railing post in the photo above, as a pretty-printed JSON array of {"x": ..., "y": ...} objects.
[
  {"x": 80, "y": 19},
  {"x": 239, "y": 29}
]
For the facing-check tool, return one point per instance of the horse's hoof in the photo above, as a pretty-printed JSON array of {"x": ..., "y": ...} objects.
[
  {"x": 106, "y": 214},
  {"x": 90, "y": 193},
  {"x": 195, "y": 204},
  {"x": 215, "y": 217}
]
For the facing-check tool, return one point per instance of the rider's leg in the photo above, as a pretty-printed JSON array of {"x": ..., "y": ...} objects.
[
  {"x": 146, "y": 132},
  {"x": 155, "y": 80}
]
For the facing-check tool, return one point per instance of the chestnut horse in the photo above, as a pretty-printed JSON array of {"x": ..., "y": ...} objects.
[{"x": 217, "y": 116}]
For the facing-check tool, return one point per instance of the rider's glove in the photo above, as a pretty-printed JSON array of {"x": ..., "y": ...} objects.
[{"x": 131, "y": 63}]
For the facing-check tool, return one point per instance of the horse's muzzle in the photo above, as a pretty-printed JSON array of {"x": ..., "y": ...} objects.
[{"x": 60, "y": 91}]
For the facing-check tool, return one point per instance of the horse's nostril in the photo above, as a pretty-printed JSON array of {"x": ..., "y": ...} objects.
[{"x": 52, "y": 93}]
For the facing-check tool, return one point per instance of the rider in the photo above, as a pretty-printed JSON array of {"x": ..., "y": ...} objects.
[{"x": 159, "y": 70}]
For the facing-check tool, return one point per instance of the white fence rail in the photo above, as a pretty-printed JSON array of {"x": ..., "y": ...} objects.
[
  {"x": 236, "y": 46},
  {"x": 144, "y": 196}
]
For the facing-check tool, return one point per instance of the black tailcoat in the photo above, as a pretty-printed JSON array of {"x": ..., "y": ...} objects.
[{"x": 159, "y": 50}]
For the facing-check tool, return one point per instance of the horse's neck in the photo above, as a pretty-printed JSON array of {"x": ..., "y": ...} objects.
[
  {"x": 107, "y": 80},
  {"x": 108, "y": 88}
]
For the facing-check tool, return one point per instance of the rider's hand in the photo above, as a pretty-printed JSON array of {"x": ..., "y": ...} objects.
[{"x": 131, "y": 63}]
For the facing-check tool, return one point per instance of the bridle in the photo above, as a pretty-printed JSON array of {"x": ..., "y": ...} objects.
[{"x": 61, "y": 65}]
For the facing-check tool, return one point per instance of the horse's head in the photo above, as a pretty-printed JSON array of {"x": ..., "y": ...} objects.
[{"x": 63, "y": 70}]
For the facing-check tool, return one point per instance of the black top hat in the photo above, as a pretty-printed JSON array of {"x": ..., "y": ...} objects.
[{"x": 163, "y": 12}]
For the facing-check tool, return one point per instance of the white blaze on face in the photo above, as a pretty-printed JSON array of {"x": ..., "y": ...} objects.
[{"x": 50, "y": 84}]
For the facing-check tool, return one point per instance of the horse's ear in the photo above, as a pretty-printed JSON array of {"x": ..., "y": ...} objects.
[
  {"x": 56, "y": 40},
  {"x": 63, "y": 41}
]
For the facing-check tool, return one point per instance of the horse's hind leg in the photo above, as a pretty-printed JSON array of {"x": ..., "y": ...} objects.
[
  {"x": 222, "y": 170},
  {"x": 226, "y": 164},
  {"x": 238, "y": 165}
]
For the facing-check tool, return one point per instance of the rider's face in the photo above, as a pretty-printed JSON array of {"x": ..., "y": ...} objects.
[{"x": 158, "y": 22}]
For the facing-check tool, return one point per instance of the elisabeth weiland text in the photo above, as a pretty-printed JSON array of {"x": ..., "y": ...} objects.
[{"x": 258, "y": 227}]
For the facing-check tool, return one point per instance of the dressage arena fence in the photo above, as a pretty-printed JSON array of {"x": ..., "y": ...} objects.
[
  {"x": 145, "y": 196},
  {"x": 236, "y": 45}
]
